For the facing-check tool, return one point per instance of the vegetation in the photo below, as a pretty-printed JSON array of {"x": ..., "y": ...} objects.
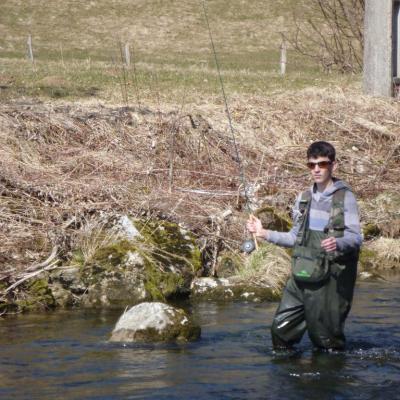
[
  {"x": 78, "y": 50},
  {"x": 84, "y": 137},
  {"x": 330, "y": 32}
]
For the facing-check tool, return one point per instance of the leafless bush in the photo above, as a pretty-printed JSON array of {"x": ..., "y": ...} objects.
[{"x": 331, "y": 32}]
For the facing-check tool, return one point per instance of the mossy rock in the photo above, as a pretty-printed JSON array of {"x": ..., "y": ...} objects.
[
  {"x": 371, "y": 230},
  {"x": 368, "y": 259},
  {"x": 229, "y": 263},
  {"x": 114, "y": 277},
  {"x": 173, "y": 258},
  {"x": 155, "y": 322},
  {"x": 36, "y": 296},
  {"x": 63, "y": 298},
  {"x": 158, "y": 264},
  {"x": 273, "y": 219},
  {"x": 172, "y": 245},
  {"x": 215, "y": 289}
]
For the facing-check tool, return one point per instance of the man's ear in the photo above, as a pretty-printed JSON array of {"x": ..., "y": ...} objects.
[{"x": 334, "y": 166}]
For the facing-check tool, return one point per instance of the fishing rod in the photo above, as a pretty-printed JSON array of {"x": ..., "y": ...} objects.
[{"x": 248, "y": 245}]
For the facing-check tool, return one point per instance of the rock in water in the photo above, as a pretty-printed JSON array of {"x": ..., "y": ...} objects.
[
  {"x": 215, "y": 289},
  {"x": 154, "y": 322}
]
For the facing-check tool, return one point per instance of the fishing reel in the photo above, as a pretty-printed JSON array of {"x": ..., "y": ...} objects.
[{"x": 248, "y": 246}]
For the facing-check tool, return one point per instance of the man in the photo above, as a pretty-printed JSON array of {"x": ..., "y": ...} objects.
[{"x": 326, "y": 239}]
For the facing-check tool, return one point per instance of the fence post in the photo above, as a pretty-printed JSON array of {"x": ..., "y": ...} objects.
[
  {"x": 30, "y": 50},
  {"x": 62, "y": 56},
  {"x": 127, "y": 55},
  {"x": 283, "y": 60}
]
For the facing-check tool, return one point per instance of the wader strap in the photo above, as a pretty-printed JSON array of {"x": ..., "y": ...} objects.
[
  {"x": 336, "y": 225},
  {"x": 304, "y": 209}
]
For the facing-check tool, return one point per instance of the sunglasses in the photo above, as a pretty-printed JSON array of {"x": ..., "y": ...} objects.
[{"x": 321, "y": 164}]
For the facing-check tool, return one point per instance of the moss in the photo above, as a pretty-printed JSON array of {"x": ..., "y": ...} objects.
[
  {"x": 113, "y": 254},
  {"x": 371, "y": 230},
  {"x": 229, "y": 263},
  {"x": 37, "y": 296},
  {"x": 161, "y": 285},
  {"x": 168, "y": 261},
  {"x": 171, "y": 244},
  {"x": 105, "y": 259},
  {"x": 273, "y": 219},
  {"x": 367, "y": 258}
]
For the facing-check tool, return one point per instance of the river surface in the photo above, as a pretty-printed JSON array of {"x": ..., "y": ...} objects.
[{"x": 65, "y": 355}]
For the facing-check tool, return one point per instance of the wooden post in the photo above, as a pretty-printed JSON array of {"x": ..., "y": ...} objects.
[
  {"x": 283, "y": 60},
  {"x": 127, "y": 55},
  {"x": 30, "y": 50},
  {"x": 62, "y": 56}
]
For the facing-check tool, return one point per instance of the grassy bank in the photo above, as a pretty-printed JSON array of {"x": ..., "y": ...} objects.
[
  {"x": 64, "y": 162},
  {"x": 83, "y": 136}
]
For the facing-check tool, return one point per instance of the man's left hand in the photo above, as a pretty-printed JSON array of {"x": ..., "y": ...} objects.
[{"x": 329, "y": 244}]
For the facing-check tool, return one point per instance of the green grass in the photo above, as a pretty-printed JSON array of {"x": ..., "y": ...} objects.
[{"x": 77, "y": 53}]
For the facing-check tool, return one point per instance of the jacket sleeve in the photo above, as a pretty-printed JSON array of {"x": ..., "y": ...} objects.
[
  {"x": 352, "y": 238},
  {"x": 287, "y": 239}
]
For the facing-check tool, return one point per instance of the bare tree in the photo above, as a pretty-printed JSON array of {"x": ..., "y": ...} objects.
[{"x": 331, "y": 32}]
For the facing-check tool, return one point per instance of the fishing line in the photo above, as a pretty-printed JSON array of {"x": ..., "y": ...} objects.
[
  {"x": 228, "y": 114},
  {"x": 246, "y": 245}
]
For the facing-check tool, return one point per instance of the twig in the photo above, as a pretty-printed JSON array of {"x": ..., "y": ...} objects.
[
  {"x": 46, "y": 262},
  {"x": 31, "y": 275},
  {"x": 375, "y": 128},
  {"x": 207, "y": 192}
]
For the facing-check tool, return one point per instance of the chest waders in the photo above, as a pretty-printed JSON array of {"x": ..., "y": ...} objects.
[{"x": 319, "y": 292}]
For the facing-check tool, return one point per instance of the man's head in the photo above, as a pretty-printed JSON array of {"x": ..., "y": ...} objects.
[{"x": 321, "y": 160}]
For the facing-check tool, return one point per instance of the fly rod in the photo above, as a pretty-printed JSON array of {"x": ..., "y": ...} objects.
[{"x": 247, "y": 246}]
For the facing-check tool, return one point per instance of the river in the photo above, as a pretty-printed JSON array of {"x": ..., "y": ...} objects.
[{"x": 65, "y": 355}]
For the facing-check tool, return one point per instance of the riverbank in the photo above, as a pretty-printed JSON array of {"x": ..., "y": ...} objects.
[{"x": 67, "y": 168}]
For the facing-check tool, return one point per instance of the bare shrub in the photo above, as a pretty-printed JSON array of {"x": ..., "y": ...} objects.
[{"x": 330, "y": 32}]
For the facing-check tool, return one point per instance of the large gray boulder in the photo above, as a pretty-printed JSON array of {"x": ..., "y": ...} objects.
[{"x": 154, "y": 322}]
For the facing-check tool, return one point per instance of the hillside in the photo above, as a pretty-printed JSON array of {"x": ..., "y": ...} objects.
[{"x": 77, "y": 49}]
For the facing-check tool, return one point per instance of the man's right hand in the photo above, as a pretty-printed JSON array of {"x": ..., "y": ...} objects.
[{"x": 254, "y": 226}]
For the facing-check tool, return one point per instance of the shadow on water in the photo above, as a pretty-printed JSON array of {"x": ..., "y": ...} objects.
[{"x": 66, "y": 355}]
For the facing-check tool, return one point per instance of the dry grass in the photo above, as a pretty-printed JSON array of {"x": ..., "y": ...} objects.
[
  {"x": 62, "y": 164},
  {"x": 384, "y": 254},
  {"x": 268, "y": 267},
  {"x": 77, "y": 49},
  {"x": 155, "y": 27}
]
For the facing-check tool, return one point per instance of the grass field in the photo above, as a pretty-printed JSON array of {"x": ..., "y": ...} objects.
[{"x": 77, "y": 49}]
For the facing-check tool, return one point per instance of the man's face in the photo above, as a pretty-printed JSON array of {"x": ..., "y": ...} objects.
[{"x": 321, "y": 169}]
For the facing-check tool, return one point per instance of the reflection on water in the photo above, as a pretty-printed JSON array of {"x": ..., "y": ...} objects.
[{"x": 66, "y": 355}]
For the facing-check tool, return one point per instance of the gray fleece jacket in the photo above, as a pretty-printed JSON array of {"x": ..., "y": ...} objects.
[{"x": 319, "y": 218}]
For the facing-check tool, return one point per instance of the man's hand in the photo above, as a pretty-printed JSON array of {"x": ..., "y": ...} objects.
[
  {"x": 254, "y": 226},
  {"x": 329, "y": 244}
]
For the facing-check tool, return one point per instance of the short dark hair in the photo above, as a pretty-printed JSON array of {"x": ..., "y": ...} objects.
[{"x": 321, "y": 149}]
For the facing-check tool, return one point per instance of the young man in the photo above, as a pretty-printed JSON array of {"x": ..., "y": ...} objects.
[{"x": 326, "y": 239}]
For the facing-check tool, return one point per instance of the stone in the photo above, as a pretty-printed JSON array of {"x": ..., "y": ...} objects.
[
  {"x": 127, "y": 228},
  {"x": 155, "y": 322},
  {"x": 63, "y": 297},
  {"x": 216, "y": 289},
  {"x": 228, "y": 264}
]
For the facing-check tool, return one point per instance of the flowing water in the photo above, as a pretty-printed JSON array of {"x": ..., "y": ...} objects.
[{"x": 65, "y": 355}]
